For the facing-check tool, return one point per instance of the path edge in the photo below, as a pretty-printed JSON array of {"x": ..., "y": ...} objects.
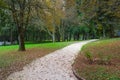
[
  {"x": 76, "y": 75},
  {"x": 74, "y": 71}
]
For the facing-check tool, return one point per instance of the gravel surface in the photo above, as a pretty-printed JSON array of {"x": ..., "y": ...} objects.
[{"x": 55, "y": 66}]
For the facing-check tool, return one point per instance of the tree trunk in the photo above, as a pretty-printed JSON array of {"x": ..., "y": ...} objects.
[
  {"x": 4, "y": 40},
  {"x": 69, "y": 39},
  {"x": 63, "y": 36},
  {"x": 21, "y": 39},
  {"x": 53, "y": 37},
  {"x": 11, "y": 37},
  {"x": 104, "y": 35},
  {"x": 111, "y": 32},
  {"x": 58, "y": 37}
]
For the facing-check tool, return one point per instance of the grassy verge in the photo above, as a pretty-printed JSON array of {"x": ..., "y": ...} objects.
[
  {"x": 11, "y": 60},
  {"x": 99, "y": 60}
]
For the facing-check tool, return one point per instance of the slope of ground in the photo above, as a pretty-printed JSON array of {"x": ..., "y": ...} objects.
[
  {"x": 55, "y": 66},
  {"x": 99, "y": 60},
  {"x": 11, "y": 60}
]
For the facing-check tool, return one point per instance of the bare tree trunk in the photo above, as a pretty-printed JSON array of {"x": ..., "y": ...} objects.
[
  {"x": 62, "y": 30},
  {"x": 104, "y": 35},
  {"x": 11, "y": 36},
  {"x": 57, "y": 36},
  {"x": 4, "y": 40},
  {"x": 21, "y": 39},
  {"x": 53, "y": 37},
  {"x": 111, "y": 31}
]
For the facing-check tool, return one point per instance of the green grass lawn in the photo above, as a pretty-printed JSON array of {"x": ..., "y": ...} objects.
[
  {"x": 57, "y": 45},
  {"x": 6, "y": 56},
  {"x": 100, "y": 42},
  {"x": 4, "y": 49},
  {"x": 99, "y": 60}
]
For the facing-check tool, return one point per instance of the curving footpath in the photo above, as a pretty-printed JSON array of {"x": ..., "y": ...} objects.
[{"x": 55, "y": 66}]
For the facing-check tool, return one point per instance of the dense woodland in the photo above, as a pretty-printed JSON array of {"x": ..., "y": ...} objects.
[{"x": 58, "y": 20}]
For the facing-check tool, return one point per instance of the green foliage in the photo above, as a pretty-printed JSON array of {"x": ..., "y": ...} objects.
[
  {"x": 3, "y": 5},
  {"x": 103, "y": 14}
]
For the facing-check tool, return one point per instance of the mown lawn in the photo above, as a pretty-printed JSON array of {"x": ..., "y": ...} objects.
[
  {"x": 99, "y": 60},
  {"x": 12, "y": 60},
  {"x": 4, "y": 49}
]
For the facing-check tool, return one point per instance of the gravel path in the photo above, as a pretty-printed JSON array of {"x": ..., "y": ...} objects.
[{"x": 55, "y": 66}]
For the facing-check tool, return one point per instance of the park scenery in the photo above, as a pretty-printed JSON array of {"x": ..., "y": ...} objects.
[{"x": 59, "y": 39}]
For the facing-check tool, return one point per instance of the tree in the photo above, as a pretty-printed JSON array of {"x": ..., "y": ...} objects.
[
  {"x": 20, "y": 10},
  {"x": 52, "y": 16},
  {"x": 104, "y": 13},
  {"x": 69, "y": 20}
]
